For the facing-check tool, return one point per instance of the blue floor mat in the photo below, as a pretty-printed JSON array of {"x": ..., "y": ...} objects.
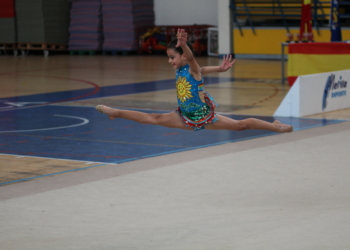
[{"x": 82, "y": 133}]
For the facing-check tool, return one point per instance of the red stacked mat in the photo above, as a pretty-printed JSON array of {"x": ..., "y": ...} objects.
[
  {"x": 7, "y": 8},
  {"x": 7, "y": 21}
]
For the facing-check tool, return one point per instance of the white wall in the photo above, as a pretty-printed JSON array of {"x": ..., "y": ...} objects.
[
  {"x": 224, "y": 27},
  {"x": 186, "y": 12}
]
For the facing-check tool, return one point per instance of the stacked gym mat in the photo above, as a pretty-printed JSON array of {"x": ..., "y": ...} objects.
[
  {"x": 124, "y": 21},
  {"x": 7, "y": 21},
  {"x": 86, "y": 25},
  {"x": 42, "y": 21},
  {"x": 110, "y": 25}
]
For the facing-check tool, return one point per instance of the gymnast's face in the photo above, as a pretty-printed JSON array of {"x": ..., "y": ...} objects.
[{"x": 175, "y": 59}]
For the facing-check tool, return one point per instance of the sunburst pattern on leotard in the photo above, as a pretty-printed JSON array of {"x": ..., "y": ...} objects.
[{"x": 183, "y": 89}]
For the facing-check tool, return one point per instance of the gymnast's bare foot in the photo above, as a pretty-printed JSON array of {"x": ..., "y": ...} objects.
[
  {"x": 112, "y": 113},
  {"x": 283, "y": 128}
]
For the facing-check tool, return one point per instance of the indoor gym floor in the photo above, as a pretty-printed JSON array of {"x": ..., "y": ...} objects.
[{"x": 72, "y": 179}]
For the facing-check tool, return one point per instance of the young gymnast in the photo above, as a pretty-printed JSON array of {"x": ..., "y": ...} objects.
[{"x": 196, "y": 108}]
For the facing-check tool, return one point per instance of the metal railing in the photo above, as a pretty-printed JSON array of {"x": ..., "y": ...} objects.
[{"x": 283, "y": 13}]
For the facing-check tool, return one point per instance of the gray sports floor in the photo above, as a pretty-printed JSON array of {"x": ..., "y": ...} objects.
[{"x": 287, "y": 191}]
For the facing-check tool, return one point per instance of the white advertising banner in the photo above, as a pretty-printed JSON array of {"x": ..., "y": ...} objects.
[{"x": 317, "y": 93}]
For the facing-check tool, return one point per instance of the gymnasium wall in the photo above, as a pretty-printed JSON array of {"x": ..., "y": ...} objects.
[
  {"x": 265, "y": 43},
  {"x": 186, "y": 12}
]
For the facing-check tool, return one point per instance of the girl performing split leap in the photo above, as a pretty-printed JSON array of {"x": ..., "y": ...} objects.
[{"x": 196, "y": 108}]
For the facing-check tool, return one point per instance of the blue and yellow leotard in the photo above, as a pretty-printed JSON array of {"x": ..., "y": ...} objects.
[{"x": 195, "y": 113}]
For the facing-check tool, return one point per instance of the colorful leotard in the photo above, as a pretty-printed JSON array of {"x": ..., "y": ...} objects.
[{"x": 195, "y": 113}]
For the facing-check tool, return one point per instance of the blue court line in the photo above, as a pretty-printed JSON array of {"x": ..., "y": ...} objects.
[
  {"x": 115, "y": 90},
  {"x": 160, "y": 154},
  {"x": 95, "y": 146}
]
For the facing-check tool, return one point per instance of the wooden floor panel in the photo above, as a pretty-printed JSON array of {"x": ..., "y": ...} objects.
[{"x": 14, "y": 167}]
